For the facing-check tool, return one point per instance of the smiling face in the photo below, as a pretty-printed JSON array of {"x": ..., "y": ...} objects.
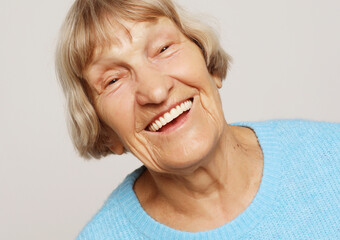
[{"x": 153, "y": 89}]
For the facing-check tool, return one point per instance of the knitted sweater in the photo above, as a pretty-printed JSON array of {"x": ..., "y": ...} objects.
[{"x": 298, "y": 198}]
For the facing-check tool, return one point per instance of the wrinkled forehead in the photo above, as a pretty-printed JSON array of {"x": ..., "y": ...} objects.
[
  {"x": 114, "y": 32},
  {"x": 118, "y": 31}
]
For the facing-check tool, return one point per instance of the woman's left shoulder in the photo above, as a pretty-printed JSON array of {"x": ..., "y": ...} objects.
[
  {"x": 307, "y": 130},
  {"x": 313, "y": 136},
  {"x": 302, "y": 124},
  {"x": 309, "y": 147}
]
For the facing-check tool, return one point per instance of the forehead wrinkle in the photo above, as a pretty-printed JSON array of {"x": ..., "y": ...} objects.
[
  {"x": 125, "y": 27},
  {"x": 111, "y": 37},
  {"x": 112, "y": 34},
  {"x": 126, "y": 32}
]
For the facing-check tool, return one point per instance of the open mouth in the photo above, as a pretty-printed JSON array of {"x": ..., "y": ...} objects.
[{"x": 170, "y": 118}]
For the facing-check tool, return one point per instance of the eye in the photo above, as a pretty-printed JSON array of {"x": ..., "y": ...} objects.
[
  {"x": 164, "y": 49},
  {"x": 112, "y": 81}
]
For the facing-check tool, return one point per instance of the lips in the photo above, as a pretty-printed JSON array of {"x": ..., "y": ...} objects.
[{"x": 169, "y": 116}]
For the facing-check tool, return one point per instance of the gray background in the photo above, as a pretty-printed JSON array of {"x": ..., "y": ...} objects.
[{"x": 286, "y": 65}]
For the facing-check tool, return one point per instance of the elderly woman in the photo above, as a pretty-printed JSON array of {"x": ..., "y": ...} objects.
[{"x": 139, "y": 76}]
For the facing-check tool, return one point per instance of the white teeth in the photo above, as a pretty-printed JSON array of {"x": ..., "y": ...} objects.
[
  {"x": 162, "y": 121},
  {"x": 154, "y": 125},
  {"x": 182, "y": 106},
  {"x": 158, "y": 123},
  {"x": 174, "y": 113},
  {"x": 169, "y": 116},
  {"x": 179, "y": 110}
]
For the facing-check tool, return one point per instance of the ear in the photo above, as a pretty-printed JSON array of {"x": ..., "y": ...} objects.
[
  {"x": 217, "y": 80},
  {"x": 115, "y": 144}
]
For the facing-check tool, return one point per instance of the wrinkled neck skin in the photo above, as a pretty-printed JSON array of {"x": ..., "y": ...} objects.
[{"x": 211, "y": 194}]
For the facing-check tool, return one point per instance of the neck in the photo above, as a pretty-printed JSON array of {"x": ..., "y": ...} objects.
[{"x": 224, "y": 184}]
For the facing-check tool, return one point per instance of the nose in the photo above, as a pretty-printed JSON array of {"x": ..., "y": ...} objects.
[{"x": 153, "y": 87}]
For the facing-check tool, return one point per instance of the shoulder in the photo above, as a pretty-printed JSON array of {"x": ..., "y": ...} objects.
[
  {"x": 309, "y": 148},
  {"x": 110, "y": 222},
  {"x": 298, "y": 130},
  {"x": 307, "y": 127},
  {"x": 310, "y": 136},
  {"x": 104, "y": 223},
  {"x": 302, "y": 138},
  {"x": 303, "y": 133},
  {"x": 309, "y": 153},
  {"x": 306, "y": 167},
  {"x": 292, "y": 124}
]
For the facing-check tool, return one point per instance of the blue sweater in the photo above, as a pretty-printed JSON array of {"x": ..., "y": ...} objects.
[{"x": 298, "y": 198}]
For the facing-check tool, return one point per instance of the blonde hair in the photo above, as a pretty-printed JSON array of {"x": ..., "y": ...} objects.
[{"x": 85, "y": 28}]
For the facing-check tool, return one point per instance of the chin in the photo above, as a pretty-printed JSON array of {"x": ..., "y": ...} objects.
[{"x": 185, "y": 158}]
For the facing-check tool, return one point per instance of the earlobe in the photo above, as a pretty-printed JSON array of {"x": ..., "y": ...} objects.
[
  {"x": 218, "y": 81},
  {"x": 115, "y": 144},
  {"x": 117, "y": 148}
]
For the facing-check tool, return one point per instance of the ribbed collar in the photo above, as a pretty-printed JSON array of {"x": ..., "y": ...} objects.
[{"x": 263, "y": 202}]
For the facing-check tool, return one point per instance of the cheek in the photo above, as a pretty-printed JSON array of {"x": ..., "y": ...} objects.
[
  {"x": 119, "y": 119},
  {"x": 188, "y": 67}
]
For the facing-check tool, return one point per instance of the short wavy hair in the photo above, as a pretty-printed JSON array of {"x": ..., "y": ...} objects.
[{"x": 85, "y": 29}]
